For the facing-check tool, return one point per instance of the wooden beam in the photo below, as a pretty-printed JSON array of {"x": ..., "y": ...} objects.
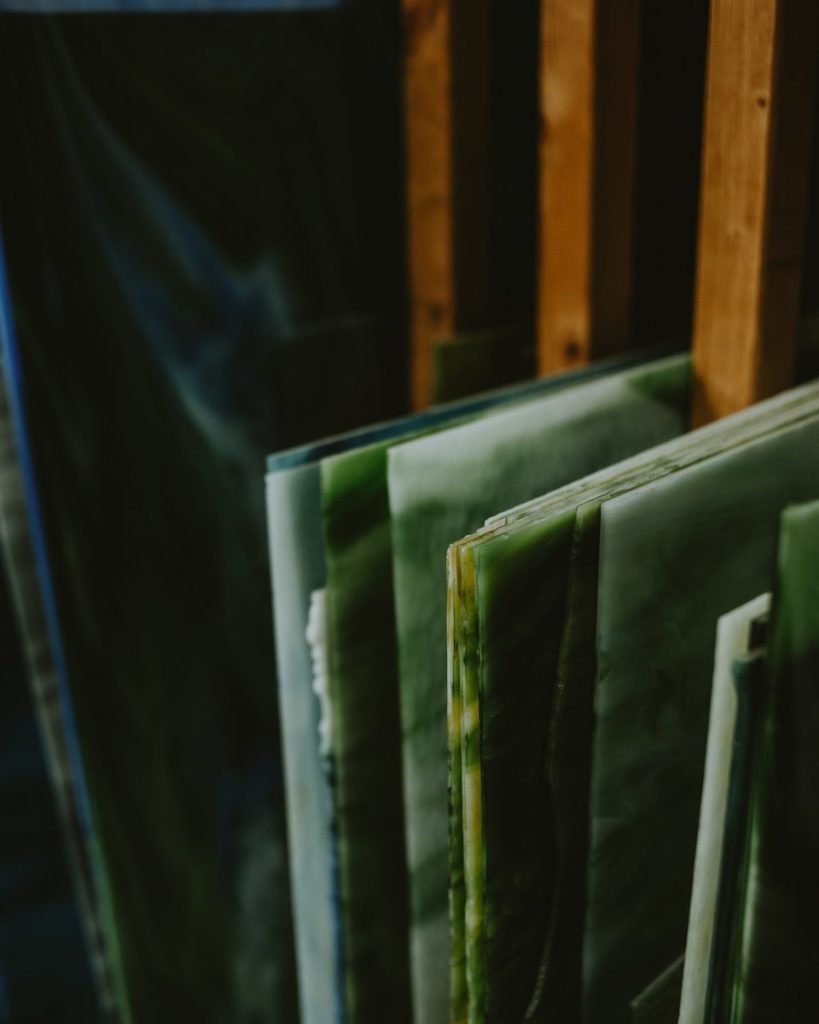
[
  {"x": 756, "y": 154},
  {"x": 446, "y": 80},
  {"x": 588, "y": 104}
]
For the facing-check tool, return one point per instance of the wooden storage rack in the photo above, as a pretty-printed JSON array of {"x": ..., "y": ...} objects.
[{"x": 753, "y": 190}]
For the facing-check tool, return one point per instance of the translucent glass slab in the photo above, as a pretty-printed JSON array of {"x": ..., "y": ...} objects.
[
  {"x": 297, "y": 560},
  {"x": 202, "y": 267},
  {"x": 775, "y": 972},
  {"x": 440, "y": 488},
  {"x": 750, "y": 677},
  {"x": 523, "y": 946},
  {"x": 734, "y": 641}
]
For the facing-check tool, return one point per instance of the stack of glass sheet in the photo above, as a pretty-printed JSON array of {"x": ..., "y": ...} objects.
[
  {"x": 580, "y": 665},
  {"x": 359, "y": 529},
  {"x": 762, "y": 921}
]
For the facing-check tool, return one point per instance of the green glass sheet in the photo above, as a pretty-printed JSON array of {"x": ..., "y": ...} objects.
[
  {"x": 441, "y": 487},
  {"x": 515, "y": 936},
  {"x": 734, "y": 631},
  {"x": 705, "y": 539},
  {"x": 297, "y": 559},
  {"x": 506, "y": 911},
  {"x": 458, "y": 989},
  {"x": 364, "y": 699},
  {"x": 749, "y": 677},
  {"x": 776, "y": 976}
]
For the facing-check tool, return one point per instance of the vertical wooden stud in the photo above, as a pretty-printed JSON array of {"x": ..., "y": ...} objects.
[
  {"x": 446, "y": 79},
  {"x": 588, "y": 104},
  {"x": 756, "y": 153}
]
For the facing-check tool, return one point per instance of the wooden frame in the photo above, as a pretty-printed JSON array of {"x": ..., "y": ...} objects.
[
  {"x": 446, "y": 79},
  {"x": 756, "y": 154},
  {"x": 588, "y": 103}
]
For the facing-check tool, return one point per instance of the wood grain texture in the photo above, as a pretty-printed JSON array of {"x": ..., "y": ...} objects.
[
  {"x": 588, "y": 100},
  {"x": 759, "y": 101},
  {"x": 446, "y": 75}
]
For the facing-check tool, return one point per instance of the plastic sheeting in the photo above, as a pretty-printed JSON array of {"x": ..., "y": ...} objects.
[{"x": 202, "y": 230}]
